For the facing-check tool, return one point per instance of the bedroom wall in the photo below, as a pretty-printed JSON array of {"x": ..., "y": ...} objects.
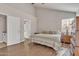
[
  {"x": 24, "y": 11},
  {"x": 50, "y": 20}
]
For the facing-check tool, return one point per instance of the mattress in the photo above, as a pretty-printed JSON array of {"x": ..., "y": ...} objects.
[{"x": 48, "y": 37}]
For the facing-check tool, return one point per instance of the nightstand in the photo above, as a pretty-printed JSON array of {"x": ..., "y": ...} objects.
[{"x": 66, "y": 39}]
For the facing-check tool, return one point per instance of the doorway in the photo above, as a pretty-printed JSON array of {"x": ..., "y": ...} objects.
[
  {"x": 3, "y": 31},
  {"x": 27, "y": 28}
]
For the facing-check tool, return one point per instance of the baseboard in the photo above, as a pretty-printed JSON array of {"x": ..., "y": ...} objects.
[{"x": 8, "y": 44}]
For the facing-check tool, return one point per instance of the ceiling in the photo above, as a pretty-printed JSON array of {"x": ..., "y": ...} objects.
[{"x": 71, "y": 7}]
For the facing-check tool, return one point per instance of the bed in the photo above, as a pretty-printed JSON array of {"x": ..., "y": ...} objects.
[{"x": 50, "y": 40}]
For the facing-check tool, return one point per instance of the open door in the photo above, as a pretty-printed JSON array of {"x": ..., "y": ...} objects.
[
  {"x": 13, "y": 30},
  {"x": 27, "y": 28}
]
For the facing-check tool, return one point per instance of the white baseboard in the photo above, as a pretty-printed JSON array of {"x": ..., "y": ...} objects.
[{"x": 8, "y": 44}]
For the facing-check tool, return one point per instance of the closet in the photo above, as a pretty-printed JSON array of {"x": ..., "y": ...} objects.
[
  {"x": 3, "y": 31},
  {"x": 10, "y": 29}
]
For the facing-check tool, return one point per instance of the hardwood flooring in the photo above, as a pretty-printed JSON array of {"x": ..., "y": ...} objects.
[
  {"x": 27, "y": 49},
  {"x": 2, "y": 45}
]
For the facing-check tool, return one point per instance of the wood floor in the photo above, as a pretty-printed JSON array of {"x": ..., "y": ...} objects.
[
  {"x": 2, "y": 44},
  {"x": 27, "y": 49}
]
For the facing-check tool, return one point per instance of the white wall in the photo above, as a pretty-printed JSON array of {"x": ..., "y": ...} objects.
[
  {"x": 51, "y": 19},
  {"x": 27, "y": 8},
  {"x": 19, "y": 10},
  {"x": 77, "y": 13},
  {"x": 33, "y": 26}
]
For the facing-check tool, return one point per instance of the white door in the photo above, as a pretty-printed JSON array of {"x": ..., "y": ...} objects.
[
  {"x": 13, "y": 30},
  {"x": 27, "y": 28}
]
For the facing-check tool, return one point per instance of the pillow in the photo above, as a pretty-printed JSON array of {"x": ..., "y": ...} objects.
[
  {"x": 55, "y": 32},
  {"x": 50, "y": 32},
  {"x": 44, "y": 32},
  {"x": 36, "y": 33}
]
